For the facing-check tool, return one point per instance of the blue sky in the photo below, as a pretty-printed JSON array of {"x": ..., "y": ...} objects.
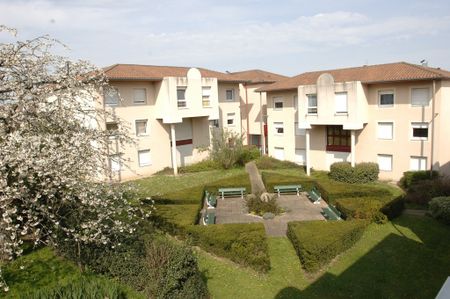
[{"x": 288, "y": 37}]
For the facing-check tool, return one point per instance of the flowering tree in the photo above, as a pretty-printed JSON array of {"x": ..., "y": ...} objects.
[{"x": 54, "y": 151}]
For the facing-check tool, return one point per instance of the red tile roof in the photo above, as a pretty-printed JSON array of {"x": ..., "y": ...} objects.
[
  {"x": 390, "y": 72},
  {"x": 259, "y": 76},
  {"x": 157, "y": 73}
]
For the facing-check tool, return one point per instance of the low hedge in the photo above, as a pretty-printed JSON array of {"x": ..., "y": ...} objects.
[
  {"x": 175, "y": 218},
  {"x": 365, "y": 172},
  {"x": 271, "y": 179},
  {"x": 245, "y": 244},
  {"x": 270, "y": 163},
  {"x": 439, "y": 208},
  {"x": 412, "y": 177},
  {"x": 318, "y": 242},
  {"x": 241, "y": 180}
]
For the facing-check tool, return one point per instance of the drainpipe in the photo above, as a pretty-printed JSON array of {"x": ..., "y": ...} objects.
[
  {"x": 263, "y": 136},
  {"x": 433, "y": 109},
  {"x": 246, "y": 110}
]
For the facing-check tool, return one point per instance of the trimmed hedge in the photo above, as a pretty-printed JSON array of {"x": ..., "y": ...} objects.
[
  {"x": 365, "y": 172},
  {"x": 245, "y": 244},
  {"x": 175, "y": 218},
  {"x": 439, "y": 208},
  {"x": 318, "y": 242},
  {"x": 271, "y": 179},
  {"x": 270, "y": 163},
  {"x": 412, "y": 177},
  {"x": 241, "y": 180}
]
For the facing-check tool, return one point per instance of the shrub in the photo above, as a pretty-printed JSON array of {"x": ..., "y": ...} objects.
[
  {"x": 362, "y": 172},
  {"x": 412, "y": 177},
  {"x": 257, "y": 206},
  {"x": 84, "y": 287},
  {"x": 422, "y": 191},
  {"x": 266, "y": 162},
  {"x": 241, "y": 180},
  {"x": 245, "y": 244},
  {"x": 226, "y": 147},
  {"x": 248, "y": 153},
  {"x": 439, "y": 208},
  {"x": 175, "y": 218},
  {"x": 318, "y": 242},
  {"x": 205, "y": 165}
]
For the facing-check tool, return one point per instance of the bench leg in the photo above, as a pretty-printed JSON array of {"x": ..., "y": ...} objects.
[
  {"x": 242, "y": 194},
  {"x": 222, "y": 195},
  {"x": 278, "y": 193},
  {"x": 298, "y": 193}
]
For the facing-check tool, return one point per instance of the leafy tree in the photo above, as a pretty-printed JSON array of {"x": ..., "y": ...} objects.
[
  {"x": 54, "y": 151},
  {"x": 226, "y": 147}
]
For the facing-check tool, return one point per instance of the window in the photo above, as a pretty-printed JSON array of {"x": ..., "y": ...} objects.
[
  {"x": 144, "y": 158},
  {"x": 112, "y": 97},
  {"x": 112, "y": 126},
  {"x": 418, "y": 163},
  {"x": 140, "y": 96},
  {"x": 214, "y": 123},
  {"x": 255, "y": 140},
  {"x": 419, "y": 131},
  {"x": 386, "y": 98},
  {"x": 300, "y": 156},
  {"x": 420, "y": 97},
  {"x": 296, "y": 102},
  {"x": 279, "y": 128},
  {"x": 385, "y": 162},
  {"x": 341, "y": 102},
  {"x": 114, "y": 162},
  {"x": 298, "y": 131},
  {"x": 206, "y": 93},
  {"x": 278, "y": 153},
  {"x": 229, "y": 95},
  {"x": 141, "y": 127},
  {"x": 181, "y": 97},
  {"x": 230, "y": 119},
  {"x": 385, "y": 130},
  {"x": 312, "y": 103},
  {"x": 338, "y": 139},
  {"x": 278, "y": 103}
]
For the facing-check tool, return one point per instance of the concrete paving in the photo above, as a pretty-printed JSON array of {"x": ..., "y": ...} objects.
[{"x": 298, "y": 208}]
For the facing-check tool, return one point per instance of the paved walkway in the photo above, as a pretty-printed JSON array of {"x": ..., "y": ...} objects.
[
  {"x": 255, "y": 178},
  {"x": 298, "y": 208}
]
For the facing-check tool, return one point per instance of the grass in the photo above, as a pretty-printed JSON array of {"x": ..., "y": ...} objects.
[{"x": 406, "y": 258}]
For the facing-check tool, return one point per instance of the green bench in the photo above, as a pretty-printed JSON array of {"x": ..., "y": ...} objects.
[
  {"x": 232, "y": 192},
  {"x": 211, "y": 199},
  {"x": 209, "y": 217},
  {"x": 331, "y": 213},
  {"x": 287, "y": 189},
  {"x": 314, "y": 195}
]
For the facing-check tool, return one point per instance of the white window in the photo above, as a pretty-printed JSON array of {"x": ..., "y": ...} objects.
[
  {"x": 144, "y": 158},
  {"x": 139, "y": 96},
  {"x": 298, "y": 131},
  {"x": 114, "y": 162},
  {"x": 300, "y": 156},
  {"x": 229, "y": 95},
  {"x": 206, "y": 93},
  {"x": 112, "y": 97},
  {"x": 386, "y": 130},
  {"x": 230, "y": 119},
  {"x": 312, "y": 103},
  {"x": 278, "y": 153},
  {"x": 296, "y": 102},
  {"x": 385, "y": 162},
  {"x": 181, "y": 96},
  {"x": 214, "y": 123},
  {"x": 141, "y": 127},
  {"x": 419, "y": 131},
  {"x": 279, "y": 128},
  {"x": 386, "y": 98},
  {"x": 278, "y": 103},
  {"x": 420, "y": 97},
  {"x": 418, "y": 163},
  {"x": 341, "y": 102}
]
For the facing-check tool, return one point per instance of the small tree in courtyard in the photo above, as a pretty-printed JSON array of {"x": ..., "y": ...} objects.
[
  {"x": 226, "y": 147},
  {"x": 54, "y": 152}
]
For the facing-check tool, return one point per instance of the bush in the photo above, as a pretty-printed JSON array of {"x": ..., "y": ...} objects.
[
  {"x": 205, "y": 165},
  {"x": 439, "y": 208},
  {"x": 245, "y": 244},
  {"x": 270, "y": 163},
  {"x": 422, "y": 191},
  {"x": 257, "y": 206},
  {"x": 241, "y": 180},
  {"x": 362, "y": 172},
  {"x": 84, "y": 287},
  {"x": 318, "y": 242},
  {"x": 412, "y": 177},
  {"x": 248, "y": 153}
]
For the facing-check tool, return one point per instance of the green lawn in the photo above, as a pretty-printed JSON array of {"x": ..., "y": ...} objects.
[{"x": 406, "y": 258}]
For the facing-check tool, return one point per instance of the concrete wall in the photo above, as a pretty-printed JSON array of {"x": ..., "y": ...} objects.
[{"x": 226, "y": 107}]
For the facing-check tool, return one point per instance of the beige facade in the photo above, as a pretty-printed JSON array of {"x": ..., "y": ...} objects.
[{"x": 386, "y": 123}]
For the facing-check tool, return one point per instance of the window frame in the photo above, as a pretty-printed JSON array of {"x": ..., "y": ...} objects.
[
  {"x": 420, "y": 158},
  {"x": 145, "y": 96},
  {"x": 392, "y": 130},
  {"x": 308, "y": 111},
  {"x": 116, "y": 91},
  {"x": 346, "y": 103},
  {"x": 417, "y": 125},
  {"x": 420, "y": 87},
  {"x": 384, "y": 92},
  {"x": 232, "y": 99},
  {"x": 139, "y": 158},
  {"x": 338, "y": 147},
  {"x": 146, "y": 127},
  {"x": 277, "y": 126},
  {"x": 179, "y": 100},
  {"x": 233, "y": 124},
  {"x": 206, "y": 98},
  {"x": 392, "y": 162},
  {"x": 278, "y": 100}
]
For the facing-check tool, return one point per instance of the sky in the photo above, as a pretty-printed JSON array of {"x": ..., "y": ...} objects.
[{"x": 287, "y": 37}]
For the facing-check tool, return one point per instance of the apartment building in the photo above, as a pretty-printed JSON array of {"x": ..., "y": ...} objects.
[
  {"x": 395, "y": 114},
  {"x": 254, "y": 105},
  {"x": 169, "y": 111}
]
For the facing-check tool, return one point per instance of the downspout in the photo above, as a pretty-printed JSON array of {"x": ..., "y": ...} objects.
[
  {"x": 263, "y": 136},
  {"x": 433, "y": 109},
  {"x": 246, "y": 110}
]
